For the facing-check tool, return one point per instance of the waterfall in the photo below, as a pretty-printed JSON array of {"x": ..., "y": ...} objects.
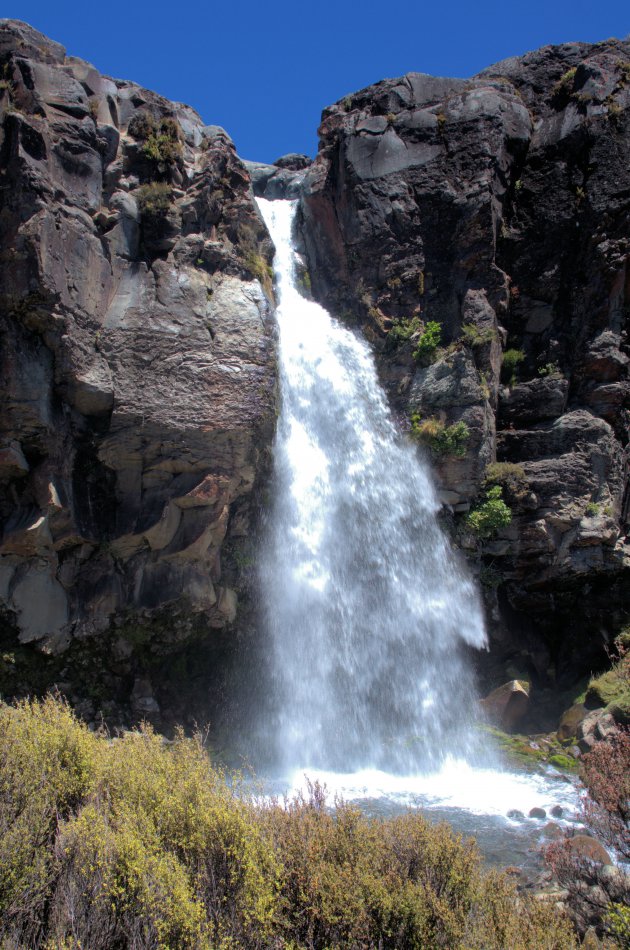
[{"x": 368, "y": 612}]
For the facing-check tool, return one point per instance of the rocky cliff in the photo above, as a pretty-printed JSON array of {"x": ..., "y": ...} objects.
[
  {"x": 138, "y": 370},
  {"x": 478, "y": 231}
]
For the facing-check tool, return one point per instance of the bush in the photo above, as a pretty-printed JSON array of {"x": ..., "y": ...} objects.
[
  {"x": 509, "y": 476},
  {"x": 155, "y": 198},
  {"x": 443, "y": 440},
  {"x": 509, "y": 365},
  {"x": 564, "y": 85},
  {"x": 403, "y": 330},
  {"x": 550, "y": 369},
  {"x": 138, "y": 843},
  {"x": 491, "y": 515},
  {"x": 474, "y": 337},
  {"x": 428, "y": 343},
  {"x": 504, "y": 473},
  {"x": 161, "y": 138}
]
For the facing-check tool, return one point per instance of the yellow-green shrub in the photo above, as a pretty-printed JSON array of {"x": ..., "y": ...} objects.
[
  {"x": 47, "y": 766},
  {"x": 136, "y": 842}
]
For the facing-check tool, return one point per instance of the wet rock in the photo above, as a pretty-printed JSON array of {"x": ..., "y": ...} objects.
[
  {"x": 583, "y": 846},
  {"x": 552, "y": 830},
  {"x": 557, "y": 811},
  {"x": 515, "y": 814},
  {"x": 539, "y": 813}
]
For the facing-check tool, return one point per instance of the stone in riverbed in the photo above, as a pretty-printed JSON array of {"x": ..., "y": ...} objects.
[
  {"x": 583, "y": 846},
  {"x": 552, "y": 830},
  {"x": 538, "y": 813}
]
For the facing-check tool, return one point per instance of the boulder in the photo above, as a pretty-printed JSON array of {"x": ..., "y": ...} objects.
[
  {"x": 571, "y": 720},
  {"x": 506, "y": 705},
  {"x": 589, "y": 849}
]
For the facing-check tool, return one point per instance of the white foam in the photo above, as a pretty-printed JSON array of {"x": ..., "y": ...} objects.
[{"x": 457, "y": 785}]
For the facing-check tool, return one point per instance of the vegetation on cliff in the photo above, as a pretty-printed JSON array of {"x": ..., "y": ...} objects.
[{"x": 137, "y": 842}]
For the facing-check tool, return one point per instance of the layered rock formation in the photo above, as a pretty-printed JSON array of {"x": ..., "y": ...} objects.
[
  {"x": 498, "y": 208},
  {"x": 138, "y": 362},
  {"x": 138, "y": 367}
]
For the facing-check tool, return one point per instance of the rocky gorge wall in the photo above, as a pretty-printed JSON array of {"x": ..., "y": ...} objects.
[
  {"x": 138, "y": 373},
  {"x": 139, "y": 377},
  {"x": 495, "y": 213}
]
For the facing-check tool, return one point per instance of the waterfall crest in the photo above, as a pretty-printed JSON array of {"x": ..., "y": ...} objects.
[{"x": 367, "y": 611}]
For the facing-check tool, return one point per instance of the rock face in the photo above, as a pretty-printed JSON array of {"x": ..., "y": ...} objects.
[
  {"x": 477, "y": 231},
  {"x": 138, "y": 366},
  {"x": 498, "y": 208}
]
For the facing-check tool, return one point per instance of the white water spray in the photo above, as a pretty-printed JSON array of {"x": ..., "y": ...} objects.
[{"x": 368, "y": 611}]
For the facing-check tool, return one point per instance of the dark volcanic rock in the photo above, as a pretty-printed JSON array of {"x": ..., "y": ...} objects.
[
  {"x": 499, "y": 207},
  {"x": 138, "y": 365},
  {"x": 276, "y": 181}
]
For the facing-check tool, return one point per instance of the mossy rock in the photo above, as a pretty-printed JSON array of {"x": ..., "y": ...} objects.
[
  {"x": 620, "y": 708},
  {"x": 564, "y": 762},
  {"x": 610, "y": 687},
  {"x": 570, "y": 720},
  {"x": 533, "y": 750}
]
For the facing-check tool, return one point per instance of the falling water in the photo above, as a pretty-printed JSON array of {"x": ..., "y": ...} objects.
[{"x": 368, "y": 610}]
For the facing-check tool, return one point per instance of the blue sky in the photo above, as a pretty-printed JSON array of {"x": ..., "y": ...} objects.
[{"x": 265, "y": 70}]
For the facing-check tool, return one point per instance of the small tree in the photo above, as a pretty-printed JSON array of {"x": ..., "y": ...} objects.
[
  {"x": 491, "y": 515},
  {"x": 428, "y": 342}
]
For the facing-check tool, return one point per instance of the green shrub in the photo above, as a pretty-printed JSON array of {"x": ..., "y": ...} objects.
[
  {"x": 403, "y": 330},
  {"x": 510, "y": 476},
  {"x": 592, "y": 509},
  {"x": 443, "y": 440},
  {"x": 612, "y": 688},
  {"x": 258, "y": 267},
  {"x": 504, "y": 472},
  {"x": 491, "y": 515},
  {"x": 509, "y": 365},
  {"x": 135, "y": 842},
  {"x": 162, "y": 139},
  {"x": 155, "y": 198},
  {"x": 428, "y": 343},
  {"x": 550, "y": 369},
  {"x": 163, "y": 146},
  {"x": 474, "y": 337},
  {"x": 565, "y": 84}
]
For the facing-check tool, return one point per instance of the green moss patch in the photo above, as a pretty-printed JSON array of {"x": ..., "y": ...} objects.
[{"x": 532, "y": 751}]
